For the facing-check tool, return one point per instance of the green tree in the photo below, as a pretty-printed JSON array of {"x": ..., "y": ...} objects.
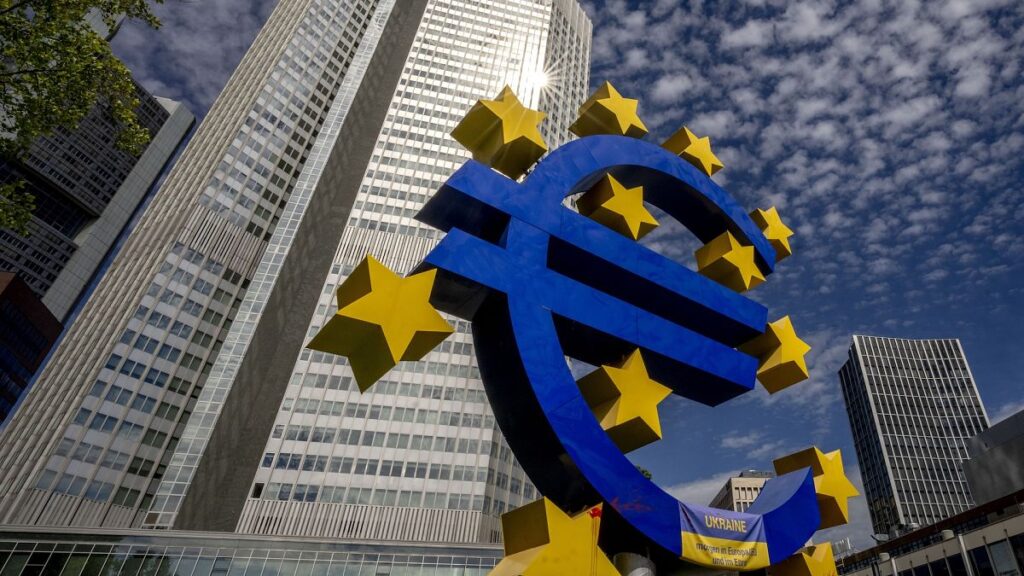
[
  {"x": 646, "y": 473},
  {"x": 53, "y": 69}
]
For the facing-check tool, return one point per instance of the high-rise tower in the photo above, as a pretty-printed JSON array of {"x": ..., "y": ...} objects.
[
  {"x": 913, "y": 406},
  {"x": 88, "y": 445},
  {"x": 323, "y": 145},
  {"x": 281, "y": 437}
]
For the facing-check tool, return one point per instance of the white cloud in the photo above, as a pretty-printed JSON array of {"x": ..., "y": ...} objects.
[
  {"x": 670, "y": 88},
  {"x": 1007, "y": 410},
  {"x": 753, "y": 33},
  {"x": 700, "y": 491},
  {"x": 973, "y": 82}
]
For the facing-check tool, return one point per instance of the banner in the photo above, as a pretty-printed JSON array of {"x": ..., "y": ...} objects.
[{"x": 723, "y": 538}]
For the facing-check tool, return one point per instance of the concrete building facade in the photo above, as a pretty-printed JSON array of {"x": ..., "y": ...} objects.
[
  {"x": 913, "y": 407},
  {"x": 184, "y": 378},
  {"x": 419, "y": 457},
  {"x": 88, "y": 446},
  {"x": 740, "y": 491}
]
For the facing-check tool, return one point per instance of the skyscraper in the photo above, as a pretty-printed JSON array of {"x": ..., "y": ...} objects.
[
  {"x": 301, "y": 452},
  {"x": 87, "y": 447},
  {"x": 86, "y": 190},
  {"x": 335, "y": 123},
  {"x": 913, "y": 407}
]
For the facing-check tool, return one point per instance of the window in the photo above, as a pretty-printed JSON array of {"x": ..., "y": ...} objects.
[
  {"x": 340, "y": 465},
  {"x": 130, "y": 430},
  {"x": 125, "y": 497},
  {"x": 99, "y": 491},
  {"x": 154, "y": 438},
  {"x": 115, "y": 460},
  {"x": 181, "y": 329},
  {"x": 118, "y": 395},
  {"x": 82, "y": 416},
  {"x": 143, "y": 404},
  {"x": 288, "y": 461},
  {"x": 102, "y": 422},
  {"x": 314, "y": 463},
  {"x": 365, "y": 466}
]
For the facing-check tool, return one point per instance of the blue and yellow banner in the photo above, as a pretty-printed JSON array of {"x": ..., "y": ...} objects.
[{"x": 722, "y": 538}]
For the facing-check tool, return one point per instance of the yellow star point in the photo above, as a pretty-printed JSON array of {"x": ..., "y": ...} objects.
[
  {"x": 607, "y": 112},
  {"x": 781, "y": 356},
  {"x": 816, "y": 560},
  {"x": 382, "y": 318},
  {"x": 541, "y": 540},
  {"x": 696, "y": 151},
  {"x": 503, "y": 133},
  {"x": 625, "y": 401},
  {"x": 617, "y": 207},
  {"x": 729, "y": 263},
  {"x": 834, "y": 489},
  {"x": 774, "y": 230}
]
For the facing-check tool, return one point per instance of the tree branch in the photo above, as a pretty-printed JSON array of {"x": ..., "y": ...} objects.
[{"x": 15, "y": 6}]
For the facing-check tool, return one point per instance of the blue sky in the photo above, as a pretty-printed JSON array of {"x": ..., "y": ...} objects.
[{"x": 890, "y": 135}]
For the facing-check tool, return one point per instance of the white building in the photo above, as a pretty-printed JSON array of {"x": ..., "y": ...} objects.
[
  {"x": 328, "y": 138},
  {"x": 740, "y": 491},
  {"x": 418, "y": 457}
]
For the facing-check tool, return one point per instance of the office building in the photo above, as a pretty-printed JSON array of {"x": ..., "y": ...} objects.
[
  {"x": 418, "y": 457},
  {"x": 300, "y": 168},
  {"x": 87, "y": 447},
  {"x": 740, "y": 491},
  {"x": 986, "y": 540},
  {"x": 996, "y": 465},
  {"x": 27, "y": 332},
  {"x": 86, "y": 190},
  {"x": 913, "y": 407}
]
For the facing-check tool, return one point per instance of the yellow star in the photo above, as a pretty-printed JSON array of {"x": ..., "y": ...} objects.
[
  {"x": 729, "y": 263},
  {"x": 381, "y": 319},
  {"x": 816, "y": 560},
  {"x": 541, "y": 540},
  {"x": 625, "y": 401},
  {"x": 607, "y": 112},
  {"x": 503, "y": 134},
  {"x": 696, "y": 151},
  {"x": 781, "y": 355},
  {"x": 830, "y": 482},
  {"x": 774, "y": 230},
  {"x": 617, "y": 207}
]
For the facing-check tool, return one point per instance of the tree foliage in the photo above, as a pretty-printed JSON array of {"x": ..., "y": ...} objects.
[{"x": 53, "y": 69}]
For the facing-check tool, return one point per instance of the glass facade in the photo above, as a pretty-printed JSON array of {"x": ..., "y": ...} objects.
[
  {"x": 73, "y": 175},
  {"x": 123, "y": 383},
  {"x": 423, "y": 436},
  {"x": 913, "y": 405},
  {"x": 191, "y": 554}
]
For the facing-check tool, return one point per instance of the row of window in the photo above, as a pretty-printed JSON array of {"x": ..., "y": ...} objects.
[
  {"x": 392, "y": 414},
  {"x": 396, "y": 388},
  {"x": 328, "y": 435}
]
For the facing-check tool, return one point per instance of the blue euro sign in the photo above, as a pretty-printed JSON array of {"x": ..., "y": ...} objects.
[{"x": 541, "y": 282}]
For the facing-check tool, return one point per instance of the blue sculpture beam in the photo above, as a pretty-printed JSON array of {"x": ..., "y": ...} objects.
[{"x": 691, "y": 364}]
